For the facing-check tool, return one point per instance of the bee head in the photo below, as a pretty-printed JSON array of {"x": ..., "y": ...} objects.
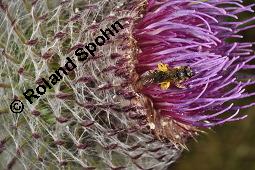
[{"x": 189, "y": 71}]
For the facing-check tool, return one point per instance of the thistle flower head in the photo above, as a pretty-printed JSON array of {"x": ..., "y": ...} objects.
[
  {"x": 87, "y": 119},
  {"x": 194, "y": 33}
]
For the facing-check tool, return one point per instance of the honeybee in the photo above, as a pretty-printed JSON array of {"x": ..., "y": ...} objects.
[{"x": 165, "y": 76}]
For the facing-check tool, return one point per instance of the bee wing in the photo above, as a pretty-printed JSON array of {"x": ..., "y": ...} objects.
[
  {"x": 178, "y": 67},
  {"x": 146, "y": 78}
]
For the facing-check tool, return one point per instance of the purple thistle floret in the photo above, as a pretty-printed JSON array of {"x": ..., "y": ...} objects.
[{"x": 193, "y": 33}]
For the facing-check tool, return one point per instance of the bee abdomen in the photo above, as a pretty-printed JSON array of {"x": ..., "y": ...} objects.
[{"x": 160, "y": 76}]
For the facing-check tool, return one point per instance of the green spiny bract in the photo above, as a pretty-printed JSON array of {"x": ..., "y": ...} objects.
[{"x": 87, "y": 121}]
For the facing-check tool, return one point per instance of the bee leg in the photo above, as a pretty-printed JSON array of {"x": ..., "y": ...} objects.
[
  {"x": 180, "y": 85},
  {"x": 165, "y": 85},
  {"x": 163, "y": 67}
]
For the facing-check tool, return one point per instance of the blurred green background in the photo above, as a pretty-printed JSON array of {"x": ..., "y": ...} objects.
[{"x": 227, "y": 147}]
